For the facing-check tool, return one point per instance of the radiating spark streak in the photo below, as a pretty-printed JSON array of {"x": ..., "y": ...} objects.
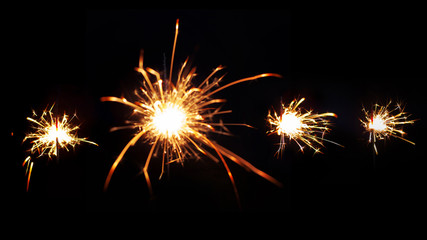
[
  {"x": 28, "y": 170},
  {"x": 50, "y": 134},
  {"x": 236, "y": 193},
  {"x": 147, "y": 163},
  {"x": 176, "y": 118},
  {"x": 173, "y": 49},
  {"x": 304, "y": 128},
  {"x": 243, "y": 80},
  {"x": 246, "y": 165},
  {"x": 119, "y": 158},
  {"x": 383, "y": 121}
]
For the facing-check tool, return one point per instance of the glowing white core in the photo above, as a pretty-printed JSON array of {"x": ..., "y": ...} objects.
[
  {"x": 289, "y": 124},
  {"x": 169, "y": 120},
  {"x": 377, "y": 124},
  {"x": 60, "y": 134}
]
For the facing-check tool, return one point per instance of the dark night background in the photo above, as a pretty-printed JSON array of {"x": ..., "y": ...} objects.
[{"x": 338, "y": 60}]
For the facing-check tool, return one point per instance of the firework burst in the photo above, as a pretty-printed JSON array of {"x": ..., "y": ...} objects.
[
  {"x": 174, "y": 117},
  {"x": 383, "y": 121},
  {"x": 305, "y": 128},
  {"x": 50, "y": 133}
]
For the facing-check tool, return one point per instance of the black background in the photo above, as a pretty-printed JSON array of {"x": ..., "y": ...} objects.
[{"x": 338, "y": 60}]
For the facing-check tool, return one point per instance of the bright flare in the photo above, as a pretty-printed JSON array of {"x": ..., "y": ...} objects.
[
  {"x": 175, "y": 117},
  {"x": 383, "y": 122},
  {"x": 56, "y": 134},
  {"x": 377, "y": 124},
  {"x": 290, "y": 125},
  {"x": 169, "y": 120},
  {"x": 304, "y": 128}
]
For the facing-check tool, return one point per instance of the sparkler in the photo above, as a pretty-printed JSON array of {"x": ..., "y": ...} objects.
[
  {"x": 305, "y": 128},
  {"x": 384, "y": 122},
  {"x": 175, "y": 118},
  {"x": 51, "y": 133}
]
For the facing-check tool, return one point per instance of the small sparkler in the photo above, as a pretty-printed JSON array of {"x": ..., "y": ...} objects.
[
  {"x": 175, "y": 118},
  {"x": 50, "y": 133},
  {"x": 305, "y": 128},
  {"x": 383, "y": 121}
]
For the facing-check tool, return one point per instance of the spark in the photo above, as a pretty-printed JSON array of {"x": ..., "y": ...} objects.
[
  {"x": 384, "y": 121},
  {"x": 50, "y": 134},
  {"x": 305, "y": 128},
  {"x": 175, "y": 117}
]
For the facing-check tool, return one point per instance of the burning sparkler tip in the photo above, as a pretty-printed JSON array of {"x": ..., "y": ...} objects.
[
  {"x": 383, "y": 121},
  {"x": 50, "y": 134},
  {"x": 304, "y": 128},
  {"x": 174, "y": 117}
]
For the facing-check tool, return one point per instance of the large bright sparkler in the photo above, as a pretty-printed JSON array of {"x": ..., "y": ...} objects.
[
  {"x": 382, "y": 122},
  {"x": 175, "y": 118},
  {"x": 302, "y": 127},
  {"x": 50, "y": 133}
]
